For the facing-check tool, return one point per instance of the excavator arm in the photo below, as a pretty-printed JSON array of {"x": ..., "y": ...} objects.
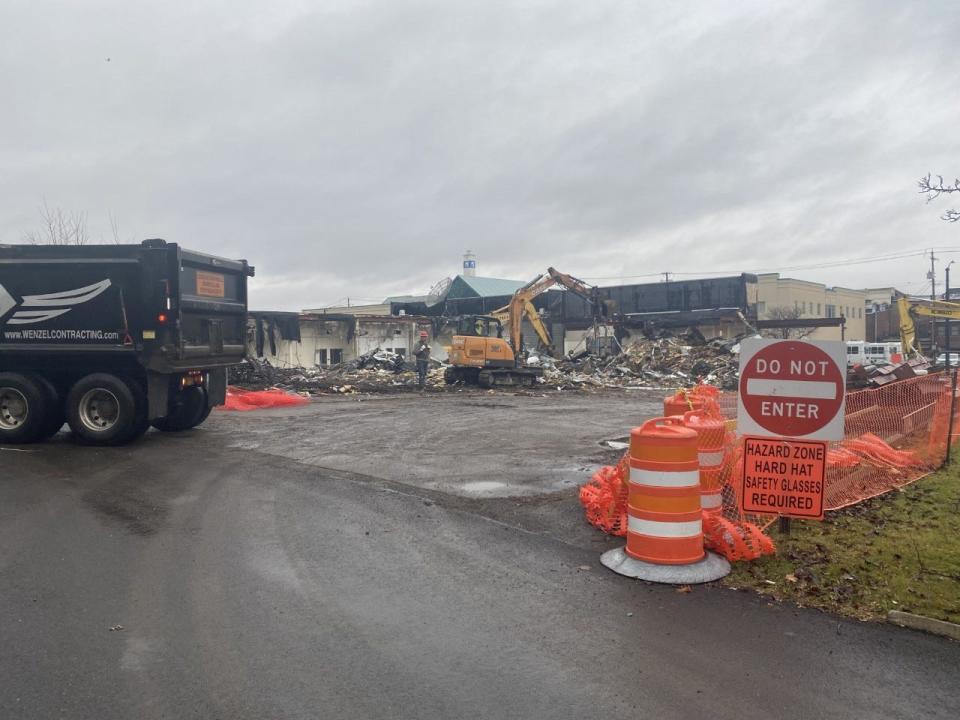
[
  {"x": 521, "y": 303},
  {"x": 909, "y": 309}
]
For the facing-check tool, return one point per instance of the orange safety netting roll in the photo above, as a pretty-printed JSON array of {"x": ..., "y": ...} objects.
[{"x": 244, "y": 400}]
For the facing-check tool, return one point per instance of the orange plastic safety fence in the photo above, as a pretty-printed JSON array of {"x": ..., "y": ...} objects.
[
  {"x": 894, "y": 435},
  {"x": 244, "y": 400},
  {"x": 604, "y": 499}
]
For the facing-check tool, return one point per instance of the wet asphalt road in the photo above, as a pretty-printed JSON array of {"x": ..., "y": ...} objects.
[{"x": 250, "y": 584}]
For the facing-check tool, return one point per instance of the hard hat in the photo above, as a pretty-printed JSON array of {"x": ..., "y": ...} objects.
[{"x": 423, "y": 333}]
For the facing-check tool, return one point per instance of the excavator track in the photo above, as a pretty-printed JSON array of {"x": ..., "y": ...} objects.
[{"x": 508, "y": 377}]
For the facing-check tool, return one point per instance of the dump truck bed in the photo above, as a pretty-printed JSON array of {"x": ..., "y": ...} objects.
[{"x": 170, "y": 308}]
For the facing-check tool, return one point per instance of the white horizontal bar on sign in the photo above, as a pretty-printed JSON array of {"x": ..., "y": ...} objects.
[
  {"x": 813, "y": 389},
  {"x": 661, "y": 478},
  {"x": 655, "y": 528}
]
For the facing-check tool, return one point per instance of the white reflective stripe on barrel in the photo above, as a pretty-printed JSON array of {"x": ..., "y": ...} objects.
[
  {"x": 711, "y": 459},
  {"x": 709, "y": 501},
  {"x": 655, "y": 528},
  {"x": 660, "y": 478}
]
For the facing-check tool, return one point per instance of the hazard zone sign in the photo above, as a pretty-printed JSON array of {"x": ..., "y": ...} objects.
[
  {"x": 792, "y": 388},
  {"x": 784, "y": 477}
]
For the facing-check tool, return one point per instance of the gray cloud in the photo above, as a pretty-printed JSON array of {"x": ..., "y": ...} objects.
[{"x": 357, "y": 149}]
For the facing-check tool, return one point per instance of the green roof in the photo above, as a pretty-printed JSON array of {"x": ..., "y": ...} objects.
[
  {"x": 406, "y": 299},
  {"x": 464, "y": 287}
]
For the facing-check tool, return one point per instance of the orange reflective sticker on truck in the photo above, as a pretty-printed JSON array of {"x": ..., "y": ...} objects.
[{"x": 211, "y": 284}]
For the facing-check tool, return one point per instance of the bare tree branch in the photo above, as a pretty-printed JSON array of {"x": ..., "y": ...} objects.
[
  {"x": 59, "y": 228},
  {"x": 935, "y": 188},
  {"x": 783, "y": 312}
]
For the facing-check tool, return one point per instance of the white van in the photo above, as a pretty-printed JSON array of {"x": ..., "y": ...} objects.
[
  {"x": 877, "y": 353},
  {"x": 855, "y": 353}
]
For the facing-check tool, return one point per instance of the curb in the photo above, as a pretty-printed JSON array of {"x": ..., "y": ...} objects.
[{"x": 920, "y": 622}]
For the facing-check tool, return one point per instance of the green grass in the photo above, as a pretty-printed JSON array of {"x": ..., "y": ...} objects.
[{"x": 900, "y": 551}]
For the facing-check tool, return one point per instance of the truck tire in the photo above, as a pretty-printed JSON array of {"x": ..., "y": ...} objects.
[
  {"x": 141, "y": 422},
  {"x": 22, "y": 409},
  {"x": 189, "y": 411},
  {"x": 203, "y": 416},
  {"x": 55, "y": 415},
  {"x": 102, "y": 410}
]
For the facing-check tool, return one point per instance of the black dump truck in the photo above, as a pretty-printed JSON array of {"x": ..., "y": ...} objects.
[{"x": 115, "y": 338}]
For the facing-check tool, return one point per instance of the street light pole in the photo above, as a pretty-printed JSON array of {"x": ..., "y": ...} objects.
[{"x": 946, "y": 321}]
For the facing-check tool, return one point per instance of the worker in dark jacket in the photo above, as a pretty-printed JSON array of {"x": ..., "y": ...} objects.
[{"x": 422, "y": 353}]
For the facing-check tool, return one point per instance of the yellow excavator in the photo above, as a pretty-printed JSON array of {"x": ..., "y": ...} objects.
[
  {"x": 511, "y": 315},
  {"x": 481, "y": 356},
  {"x": 910, "y": 308}
]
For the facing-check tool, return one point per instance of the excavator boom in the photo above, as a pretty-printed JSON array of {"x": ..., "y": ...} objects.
[
  {"x": 521, "y": 303},
  {"x": 909, "y": 309}
]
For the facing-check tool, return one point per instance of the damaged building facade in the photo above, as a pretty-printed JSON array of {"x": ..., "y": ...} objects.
[
  {"x": 322, "y": 339},
  {"x": 717, "y": 307}
]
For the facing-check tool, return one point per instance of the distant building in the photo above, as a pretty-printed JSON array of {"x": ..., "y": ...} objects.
[
  {"x": 881, "y": 316},
  {"x": 805, "y": 299},
  {"x": 467, "y": 286}
]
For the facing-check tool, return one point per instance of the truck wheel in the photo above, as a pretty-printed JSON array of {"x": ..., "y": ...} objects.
[
  {"x": 203, "y": 416},
  {"x": 55, "y": 416},
  {"x": 102, "y": 410},
  {"x": 141, "y": 422},
  {"x": 189, "y": 411},
  {"x": 22, "y": 409}
]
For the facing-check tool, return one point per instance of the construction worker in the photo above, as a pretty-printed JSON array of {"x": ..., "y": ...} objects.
[{"x": 422, "y": 353}]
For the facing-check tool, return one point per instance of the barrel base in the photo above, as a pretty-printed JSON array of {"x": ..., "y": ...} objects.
[{"x": 711, "y": 567}]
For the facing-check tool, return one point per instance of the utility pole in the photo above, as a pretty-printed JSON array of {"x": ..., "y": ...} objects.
[
  {"x": 666, "y": 276},
  {"x": 946, "y": 322},
  {"x": 932, "y": 276}
]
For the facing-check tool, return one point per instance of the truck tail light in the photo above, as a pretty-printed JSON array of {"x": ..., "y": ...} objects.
[{"x": 162, "y": 318}]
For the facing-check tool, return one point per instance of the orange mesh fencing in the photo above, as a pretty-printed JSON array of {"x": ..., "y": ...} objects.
[
  {"x": 893, "y": 435},
  {"x": 244, "y": 400}
]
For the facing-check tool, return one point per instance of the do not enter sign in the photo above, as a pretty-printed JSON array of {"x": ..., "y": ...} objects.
[{"x": 792, "y": 388}]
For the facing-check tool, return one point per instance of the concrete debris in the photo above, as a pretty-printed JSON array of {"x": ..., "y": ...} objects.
[
  {"x": 666, "y": 362},
  {"x": 863, "y": 376},
  {"x": 376, "y": 372},
  {"x": 662, "y": 362}
]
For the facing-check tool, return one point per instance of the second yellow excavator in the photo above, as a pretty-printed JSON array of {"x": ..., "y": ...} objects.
[{"x": 910, "y": 308}]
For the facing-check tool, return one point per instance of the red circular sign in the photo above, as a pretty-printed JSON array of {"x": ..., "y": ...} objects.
[{"x": 792, "y": 388}]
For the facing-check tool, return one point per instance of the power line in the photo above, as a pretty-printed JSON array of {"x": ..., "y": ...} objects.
[{"x": 813, "y": 266}]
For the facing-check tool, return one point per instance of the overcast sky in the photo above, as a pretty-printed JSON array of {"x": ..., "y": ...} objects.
[{"x": 358, "y": 148}]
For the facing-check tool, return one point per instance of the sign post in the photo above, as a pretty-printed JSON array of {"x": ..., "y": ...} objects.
[{"x": 791, "y": 402}]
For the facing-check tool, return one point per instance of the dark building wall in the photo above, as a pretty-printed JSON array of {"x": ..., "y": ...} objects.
[
  {"x": 673, "y": 296},
  {"x": 882, "y": 325},
  {"x": 572, "y": 310}
]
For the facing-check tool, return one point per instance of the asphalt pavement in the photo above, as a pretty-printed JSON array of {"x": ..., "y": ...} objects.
[{"x": 198, "y": 576}]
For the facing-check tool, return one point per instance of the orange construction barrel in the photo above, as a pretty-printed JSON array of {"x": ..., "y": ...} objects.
[
  {"x": 681, "y": 402},
  {"x": 664, "y": 522},
  {"x": 711, "y": 436}
]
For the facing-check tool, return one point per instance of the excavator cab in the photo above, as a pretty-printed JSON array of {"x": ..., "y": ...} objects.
[
  {"x": 479, "y": 326},
  {"x": 481, "y": 356}
]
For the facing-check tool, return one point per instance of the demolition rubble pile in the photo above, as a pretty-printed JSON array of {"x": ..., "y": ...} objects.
[
  {"x": 666, "y": 362},
  {"x": 874, "y": 376},
  {"x": 377, "y": 371},
  {"x": 663, "y": 362}
]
